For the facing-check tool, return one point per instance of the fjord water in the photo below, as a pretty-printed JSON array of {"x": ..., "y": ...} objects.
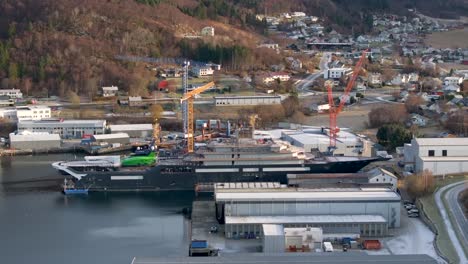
[{"x": 44, "y": 226}]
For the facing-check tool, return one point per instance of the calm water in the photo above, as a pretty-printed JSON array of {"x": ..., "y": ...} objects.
[{"x": 47, "y": 227}]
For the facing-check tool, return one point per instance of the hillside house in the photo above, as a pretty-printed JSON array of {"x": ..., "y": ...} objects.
[
  {"x": 453, "y": 80},
  {"x": 273, "y": 76},
  {"x": 374, "y": 79},
  {"x": 108, "y": 91},
  {"x": 336, "y": 73},
  {"x": 199, "y": 71},
  {"x": 207, "y": 31},
  {"x": 12, "y": 93}
]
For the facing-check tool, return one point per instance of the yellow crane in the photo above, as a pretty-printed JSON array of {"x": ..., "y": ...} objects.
[{"x": 189, "y": 96}]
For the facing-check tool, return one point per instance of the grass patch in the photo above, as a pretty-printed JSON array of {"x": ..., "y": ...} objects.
[{"x": 443, "y": 242}]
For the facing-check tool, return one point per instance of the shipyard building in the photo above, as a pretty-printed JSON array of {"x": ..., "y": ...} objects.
[
  {"x": 245, "y": 207},
  {"x": 65, "y": 128},
  {"x": 35, "y": 141},
  {"x": 133, "y": 130},
  {"x": 439, "y": 155}
]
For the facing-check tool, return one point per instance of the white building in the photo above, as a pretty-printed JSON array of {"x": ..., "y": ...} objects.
[
  {"x": 34, "y": 141},
  {"x": 379, "y": 175},
  {"x": 365, "y": 211},
  {"x": 374, "y": 79},
  {"x": 12, "y": 93},
  {"x": 336, "y": 73},
  {"x": 202, "y": 71},
  {"x": 65, "y": 128},
  {"x": 274, "y": 46},
  {"x": 453, "y": 80},
  {"x": 207, "y": 31},
  {"x": 271, "y": 77},
  {"x": 108, "y": 91},
  {"x": 441, "y": 156},
  {"x": 35, "y": 112}
]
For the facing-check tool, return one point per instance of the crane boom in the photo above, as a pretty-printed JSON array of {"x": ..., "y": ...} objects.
[
  {"x": 334, "y": 111},
  {"x": 189, "y": 98}
]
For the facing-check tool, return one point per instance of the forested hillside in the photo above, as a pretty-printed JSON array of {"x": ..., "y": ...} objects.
[{"x": 51, "y": 47}]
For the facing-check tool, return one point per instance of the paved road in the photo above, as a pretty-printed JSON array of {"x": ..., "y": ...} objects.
[
  {"x": 457, "y": 211},
  {"x": 323, "y": 65},
  {"x": 448, "y": 224}
]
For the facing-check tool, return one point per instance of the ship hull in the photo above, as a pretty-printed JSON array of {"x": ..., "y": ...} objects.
[{"x": 172, "y": 177}]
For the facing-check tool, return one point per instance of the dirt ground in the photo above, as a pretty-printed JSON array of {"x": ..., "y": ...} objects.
[
  {"x": 449, "y": 39},
  {"x": 354, "y": 118}
]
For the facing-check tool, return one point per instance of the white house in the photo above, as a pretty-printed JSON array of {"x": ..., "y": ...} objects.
[
  {"x": 418, "y": 120},
  {"x": 374, "y": 79},
  {"x": 379, "y": 175},
  {"x": 273, "y": 76},
  {"x": 295, "y": 64},
  {"x": 202, "y": 71},
  {"x": 207, "y": 31},
  {"x": 451, "y": 88},
  {"x": 12, "y": 93},
  {"x": 453, "y": 80},
  {"x": 269, "y": 46},
  {"x": 336, "y": 73},
  {"x": 108, "y": 91},
  {"x": 441, "y": 156}
]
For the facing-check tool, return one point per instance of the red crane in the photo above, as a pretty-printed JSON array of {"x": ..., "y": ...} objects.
[{"x": 334, "y": 111}]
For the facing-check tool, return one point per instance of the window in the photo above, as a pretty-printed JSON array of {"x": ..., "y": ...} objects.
[
  {"x": 431, "y": 153},
  {"x": 444, "y": 153}
]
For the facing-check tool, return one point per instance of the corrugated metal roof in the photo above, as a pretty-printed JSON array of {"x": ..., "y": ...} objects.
[
  {"x": 111, "y": 136},
  {"x": 288, "y": 194},
  {"x": 130, "y": 127},
  {"x": 442, "y": 141},
  {"x": 310, "y": 219},
  {"x": 34, "y": 137}
]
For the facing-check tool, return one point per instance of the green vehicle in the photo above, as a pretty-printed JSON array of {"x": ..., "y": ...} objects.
[{"x": 138, "y": 160}]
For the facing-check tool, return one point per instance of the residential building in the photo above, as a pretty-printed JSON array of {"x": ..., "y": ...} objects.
[
  {"x": 246, "y": 100},
  {"x": 295, "y": 64},
  {"x": 417, "y": 120},
  {"x": 441, "y": 156},
  {"x": 65, "y": 128},
  {"x": 374, "y": 79},
  {"x": 273, "y": 76},
  {"x": 382, "y": 176},
  {"x": 5, "y": 100},
  {"x": 367, "y": 211},
  {"x": 199, "y": 71},
  {"x": 274, "y": 46},
  {"x": 453, "y": 80},
  {"x": 208, "y": 31},
  {"x": 12, "y": 93},
  {"x": 451, "y": 88},
  {"x": 336, "y": 73},
  {"x": 108, "y": 91}
]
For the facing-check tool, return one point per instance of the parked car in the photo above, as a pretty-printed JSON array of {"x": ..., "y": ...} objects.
[
  {"x": 409, "y": 206},
  {"x": 405, "y": 202},
  {"x": 412, "y": 211},
  {"x": 413, "y": 215}
]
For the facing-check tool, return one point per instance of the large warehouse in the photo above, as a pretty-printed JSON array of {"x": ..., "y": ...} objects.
[
  {"x": 441, "y": 156},
  {"x": 65, "y": 128},
  {"x": 365, "y": 211},
  {"x": 35, "y": 141}
]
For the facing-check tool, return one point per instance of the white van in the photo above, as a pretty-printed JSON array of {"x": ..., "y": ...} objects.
[{"x": 327, "y": 247}]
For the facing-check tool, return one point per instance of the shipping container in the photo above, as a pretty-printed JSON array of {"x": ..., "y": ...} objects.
[{"x": 371, "y": 244}]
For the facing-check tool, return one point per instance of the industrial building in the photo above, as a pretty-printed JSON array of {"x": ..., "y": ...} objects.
[
  {"x": 21, "y": 113},
  {"x": 246, "y": 100},
  {"x": 316, "y": 139},
  {"x": 34, "y": 141},
  {"x": 133, "y": 130},
  {"x": 119, "y": 138},
  {"x": 375, "y": 177},
  {"x": 244, "y": 208},
  {"x": 441, "y": 156},
  {"x": 65, "y": 128}
]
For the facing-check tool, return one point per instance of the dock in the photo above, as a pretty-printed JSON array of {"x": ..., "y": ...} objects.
[{"x": 204, "y": 218}]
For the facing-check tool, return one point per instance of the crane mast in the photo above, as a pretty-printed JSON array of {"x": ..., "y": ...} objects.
[{"x": 334, "y": 111}]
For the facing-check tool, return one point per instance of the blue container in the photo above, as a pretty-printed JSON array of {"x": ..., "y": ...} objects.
[{"x": 199, "y": 244}]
